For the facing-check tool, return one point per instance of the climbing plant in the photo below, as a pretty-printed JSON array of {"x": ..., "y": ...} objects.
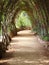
[{"x": 39, "y": 13}]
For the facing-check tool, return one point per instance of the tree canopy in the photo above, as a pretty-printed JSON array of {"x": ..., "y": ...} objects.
[{"x": 37, "y": 9}]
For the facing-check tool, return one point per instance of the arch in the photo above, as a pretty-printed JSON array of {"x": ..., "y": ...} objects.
[{"x": 34, "y": 7}]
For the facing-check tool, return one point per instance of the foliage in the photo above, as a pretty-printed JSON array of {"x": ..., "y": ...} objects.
[
  {"x": 46, "y": 38},
  {"x": 23, "y": 20},
  {"x": 40, "y": 14}
]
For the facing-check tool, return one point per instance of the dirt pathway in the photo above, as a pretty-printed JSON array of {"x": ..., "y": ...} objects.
[{"x": 25, "y": 49}]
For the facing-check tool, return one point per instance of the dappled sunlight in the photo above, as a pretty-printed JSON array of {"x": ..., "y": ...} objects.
[
  {"x": 24, "y": 32},
  {"x": 26, "y": 58},
  {"x": 25, "y": 50},
  {"x": 23, "y": 20}
]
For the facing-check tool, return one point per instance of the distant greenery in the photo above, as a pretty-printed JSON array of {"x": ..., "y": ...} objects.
[
  {"x": 46, "y": 38},
  {"x": 0, "y": 30},
  {"x": 23, "y": 20}
]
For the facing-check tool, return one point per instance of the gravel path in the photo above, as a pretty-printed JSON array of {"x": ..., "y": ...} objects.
[{"x": 25, "y": 49}]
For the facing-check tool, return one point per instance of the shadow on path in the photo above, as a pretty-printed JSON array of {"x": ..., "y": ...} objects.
[{"x": 25, "y": 51}]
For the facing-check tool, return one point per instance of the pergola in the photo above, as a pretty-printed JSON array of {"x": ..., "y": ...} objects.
[{"x": 38, "y": 10}]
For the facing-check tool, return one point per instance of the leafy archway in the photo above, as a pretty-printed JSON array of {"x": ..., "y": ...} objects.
[
  {"x": 38, "y": 9},
  {"x": 23, "y": 20}
]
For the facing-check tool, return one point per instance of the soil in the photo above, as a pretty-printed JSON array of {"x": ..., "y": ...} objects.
[{"x": 25, "y": 49}]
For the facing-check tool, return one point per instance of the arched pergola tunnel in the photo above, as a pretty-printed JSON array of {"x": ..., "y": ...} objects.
[{"x": 37, "y": 10}]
